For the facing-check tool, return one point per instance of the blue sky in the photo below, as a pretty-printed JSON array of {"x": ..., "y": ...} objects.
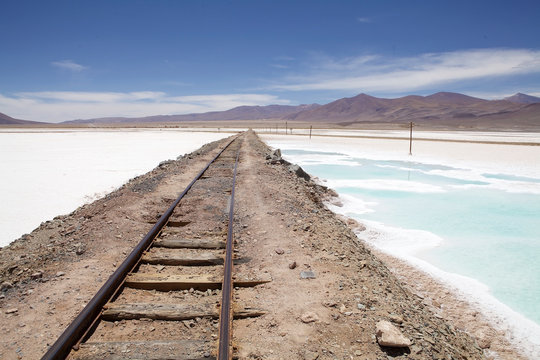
[{"x": 63, "y": 60}]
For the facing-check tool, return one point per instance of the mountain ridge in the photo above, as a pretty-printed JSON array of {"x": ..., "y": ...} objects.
[
  {"x": 8, "y": 120},
  {"x": 442, "y": 109},
  {"x": 521, "y": 98},
  {"x": 243, "y": 112}
]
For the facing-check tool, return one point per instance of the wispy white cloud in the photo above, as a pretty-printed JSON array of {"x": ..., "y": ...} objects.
[
  {"x": 56, "y": 106},
  {"x": 282, "y": 62},
  {"x": 91, "y": 97},
  {"x": 284, "y": 58},
  {"x": 364, "y": 20},
  {"x": 279, "y": 66},
  {"x": 69, "y": 65},
  {"x": 375, "y": 73}
]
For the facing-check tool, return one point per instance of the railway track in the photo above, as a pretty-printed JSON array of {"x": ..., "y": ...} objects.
[{"x": 172, "y": 298}]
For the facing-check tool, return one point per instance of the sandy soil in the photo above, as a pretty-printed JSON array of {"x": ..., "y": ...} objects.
[{"x": 281, "y": 225}]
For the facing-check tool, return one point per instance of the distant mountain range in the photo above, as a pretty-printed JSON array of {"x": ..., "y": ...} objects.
[
  {"x": 237, "y": 113},
  {"x": 520, "y": 98},
  {"x": 443, "y": 109},
  {"x": 440, "y": 109},
  {"x": 8, "y": 120}
]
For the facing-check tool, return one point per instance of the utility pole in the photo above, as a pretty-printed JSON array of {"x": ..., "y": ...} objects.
[
  {"x": 410, "y": 140},
  {"x": 310, "y": 128}
]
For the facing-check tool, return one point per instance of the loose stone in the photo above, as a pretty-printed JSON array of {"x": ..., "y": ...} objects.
[
  {"x": 6, "y": 285},
  {"x": 389, "y": 335},
  {"x": 307, "y": 275},
  {"x": 309, "y": 317}
]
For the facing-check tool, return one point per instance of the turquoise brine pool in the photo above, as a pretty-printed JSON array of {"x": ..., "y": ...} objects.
[{"x": 489, "y": 223}]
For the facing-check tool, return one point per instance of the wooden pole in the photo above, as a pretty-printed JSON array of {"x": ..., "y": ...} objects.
[
  {"x": 286, "y": 128},
  {"x": 410, "y": 140},
  {"x": 310, "y": 128}
]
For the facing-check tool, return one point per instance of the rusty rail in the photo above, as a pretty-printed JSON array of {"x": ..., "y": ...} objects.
[
  {"x": 91, "y": 312},
  {"x": 225, "y": 318}
]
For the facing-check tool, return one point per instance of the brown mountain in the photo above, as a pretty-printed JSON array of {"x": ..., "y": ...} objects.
[
  {"x": 8, "y": 120},
  {"x": 237, "y": 113},
  {"x": 440, "y": 109},
  {"x": 520, "y": 98}
]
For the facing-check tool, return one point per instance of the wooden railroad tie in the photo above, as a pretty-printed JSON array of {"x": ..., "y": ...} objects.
[
  {"x": 176, "y": 243},
  {"x": 172, "y": 312},
  {"x": 171, "y": 257},
  {"x": 185, "y": 282},
  {"x": 148, "y": 350}
]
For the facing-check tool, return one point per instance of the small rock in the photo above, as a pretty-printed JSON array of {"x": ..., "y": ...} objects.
[
  {"x": 483, "y": 339},
  {"x": 389, "y": 335},
  {"x": 298, "y": 171},
  {"x": 80, "y": 250},
  {"x": 396, "y": 318},
  {"x": 60, "y": 273},
  {"x": 357, "y": 353},
  {"x": 37, "y": 275},
  {"x": 292, "y": 265},
  {"x": 330, "y": 304},
  {"x": 307, "y": 274},
  {"x": 280, "y": 251},
  {"x": 12, "y": 311},
  {"x": 309, "y": 317},
  {"x": 6, "y": 285},
  {"x": 361, "y": 306},
  {"x": 276, "y": 155},
  {"x": 310, "y": 355}
]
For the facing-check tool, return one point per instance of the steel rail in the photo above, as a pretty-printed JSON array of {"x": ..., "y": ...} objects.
[
  {"x": 74, "y": 332},
  {"x": 225, "y": 318}
]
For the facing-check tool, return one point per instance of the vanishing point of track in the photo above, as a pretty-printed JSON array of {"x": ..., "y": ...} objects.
[{"x": 176, "y": 263}]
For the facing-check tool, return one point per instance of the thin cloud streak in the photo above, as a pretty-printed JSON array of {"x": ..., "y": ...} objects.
[
  {"x": 364, "y": 20},
  {"x": 57, "y": 106},
  {"x": 69, "y": 65},
  {"x": 374, "y": 73}
]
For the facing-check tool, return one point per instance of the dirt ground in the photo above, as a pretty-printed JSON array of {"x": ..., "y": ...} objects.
[{"x": 281, "y": 226}]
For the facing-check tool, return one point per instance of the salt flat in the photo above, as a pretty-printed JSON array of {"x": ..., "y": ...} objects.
[
  {"x": 46, "y": 173},
  {"x": 506, "y": 158}
]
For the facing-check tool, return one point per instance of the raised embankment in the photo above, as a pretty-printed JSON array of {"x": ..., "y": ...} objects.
[{"x": 328, "y": 296}]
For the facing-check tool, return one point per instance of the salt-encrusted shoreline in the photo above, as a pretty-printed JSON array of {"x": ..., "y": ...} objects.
[
  {"x": 448, "y": 302},
  {"x": 453, "y": 307}
]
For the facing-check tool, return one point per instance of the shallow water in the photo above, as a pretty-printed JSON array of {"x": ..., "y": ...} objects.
[{"x": 489, "y": 223}]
